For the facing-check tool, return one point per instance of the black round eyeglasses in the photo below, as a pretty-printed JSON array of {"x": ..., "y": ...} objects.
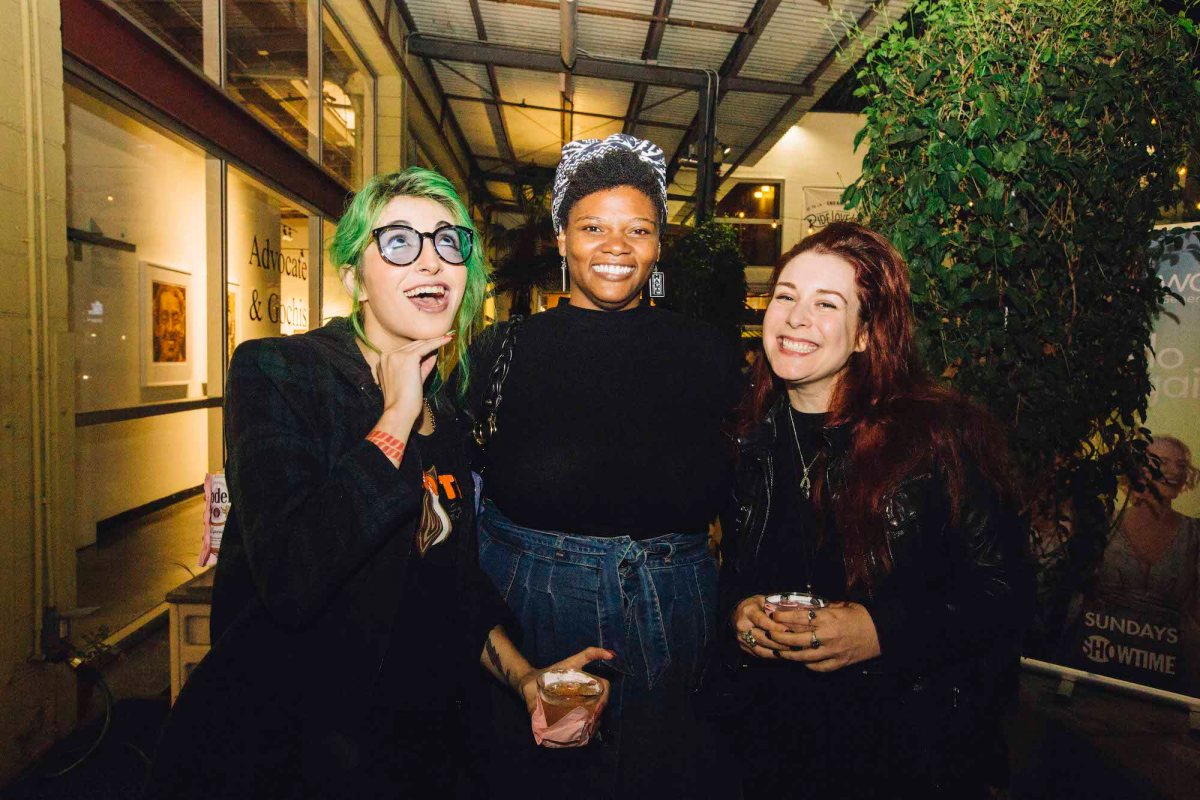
[{"x": 400, "y": 245}]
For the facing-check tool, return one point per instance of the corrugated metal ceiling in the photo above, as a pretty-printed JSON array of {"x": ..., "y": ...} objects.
[{"x": 796, "y": 39}]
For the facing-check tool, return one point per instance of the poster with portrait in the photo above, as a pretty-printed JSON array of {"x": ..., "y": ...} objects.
[
  {"x": 1136, "y": 615},
  {"x": 166, "y": 351}
]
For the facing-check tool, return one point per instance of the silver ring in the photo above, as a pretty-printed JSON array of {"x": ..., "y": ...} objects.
[
  {"x": 815, "y": 641},
  {"x": 747, "y": 636},
  {"x": 811, "y": 615}
]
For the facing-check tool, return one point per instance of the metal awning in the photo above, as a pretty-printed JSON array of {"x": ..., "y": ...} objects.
[{"x": 640, "y": 66}]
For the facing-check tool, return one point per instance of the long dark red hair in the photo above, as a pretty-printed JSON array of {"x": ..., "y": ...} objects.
[{"x": 902, "y": 423}]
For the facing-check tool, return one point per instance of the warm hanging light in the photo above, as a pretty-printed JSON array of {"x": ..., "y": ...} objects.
[{"x": 758, "y": 195}]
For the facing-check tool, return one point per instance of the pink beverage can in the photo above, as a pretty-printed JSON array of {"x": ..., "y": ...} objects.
[{"x": 790, "y": 601}]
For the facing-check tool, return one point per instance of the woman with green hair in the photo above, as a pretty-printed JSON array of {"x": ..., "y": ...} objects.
[{"x": 349, "y": 610}]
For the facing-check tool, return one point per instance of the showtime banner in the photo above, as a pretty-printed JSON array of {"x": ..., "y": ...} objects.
[{"x": 1137, "y": 617}]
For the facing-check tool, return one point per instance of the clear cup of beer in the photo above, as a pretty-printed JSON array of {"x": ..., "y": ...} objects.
[
  {"x": 563, "y": 690},
  {"x": 792, "y": 601}
]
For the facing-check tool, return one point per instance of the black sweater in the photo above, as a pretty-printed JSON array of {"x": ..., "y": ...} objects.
[{"x": 610, "y": 422}]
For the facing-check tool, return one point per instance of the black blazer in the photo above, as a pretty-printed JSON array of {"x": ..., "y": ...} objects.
[{"x": 309, "y": 580}]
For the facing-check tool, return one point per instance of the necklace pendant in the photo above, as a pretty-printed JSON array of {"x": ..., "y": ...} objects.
[{"x": 805, "y": 487}]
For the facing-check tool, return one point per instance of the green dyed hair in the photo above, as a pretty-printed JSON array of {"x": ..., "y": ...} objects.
[{"x": 353, "y": 236}]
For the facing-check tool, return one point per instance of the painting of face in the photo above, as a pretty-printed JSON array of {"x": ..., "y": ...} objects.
[
  {"x": 811, "y": 327},
  {"x": 611, "y": 244},
  {"x": 417, "y": 301},
  {"x": 170, "y": 322}
]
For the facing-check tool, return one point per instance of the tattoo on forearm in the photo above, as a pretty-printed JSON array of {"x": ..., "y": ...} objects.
[{"x": 494, "y": 657}]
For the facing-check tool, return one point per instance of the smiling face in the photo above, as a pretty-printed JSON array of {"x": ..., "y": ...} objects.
[
  {"x": 811, "y": 327},
  {"x": 610, "y": 242},
  {"x": 1173, "y": 463},
  {"x": 419, "y": 301}
]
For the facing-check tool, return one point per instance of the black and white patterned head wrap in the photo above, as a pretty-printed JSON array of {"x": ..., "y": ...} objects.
[{"x": 583, "y": 150}]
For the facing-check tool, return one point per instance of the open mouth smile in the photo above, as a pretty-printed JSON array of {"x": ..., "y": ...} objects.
[
  {"x": 431, "y": 298},
  {"x": 614, "y": 271},
  {"x": 799, "y": 347}
]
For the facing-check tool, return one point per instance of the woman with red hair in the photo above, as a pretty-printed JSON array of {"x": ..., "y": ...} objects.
[{"x": 883, "y": 503}]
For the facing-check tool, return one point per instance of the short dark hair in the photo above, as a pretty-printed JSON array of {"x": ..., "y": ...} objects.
[{"x": 613, "y": 169}]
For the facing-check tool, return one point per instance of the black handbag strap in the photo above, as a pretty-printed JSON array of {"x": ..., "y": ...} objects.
[{"x": 485, "y": 426}]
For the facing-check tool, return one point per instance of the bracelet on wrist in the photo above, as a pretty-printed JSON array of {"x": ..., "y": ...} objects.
[{"x": 389, "y": 445}]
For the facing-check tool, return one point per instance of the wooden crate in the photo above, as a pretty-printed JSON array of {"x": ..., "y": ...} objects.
[{"x": 191, "y": 606}]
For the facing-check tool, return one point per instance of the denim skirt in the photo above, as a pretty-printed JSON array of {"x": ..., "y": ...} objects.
[{"x": 650, "y": 601}]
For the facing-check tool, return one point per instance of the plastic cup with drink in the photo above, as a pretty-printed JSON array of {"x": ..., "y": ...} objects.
[{"x": 566, "y": 709}]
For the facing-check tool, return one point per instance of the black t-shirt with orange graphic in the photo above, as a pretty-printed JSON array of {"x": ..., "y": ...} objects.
[{"x": 419, "y": 669}]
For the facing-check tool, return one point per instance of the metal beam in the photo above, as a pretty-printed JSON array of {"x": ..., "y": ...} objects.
[
  {"x": 473, "y": 52},
  {"x": 706, "y": 178},
  {"x": 654, "y": 36},
  {"x": 677, "y": 126},
  {"x": 522, "y": 174},
  {"x": 810, "y": 81},
  {"x": 495, "y": 115},
  {"x": 866, "y": 19},
  {"x": 452, "y": 121},
  {"x": 756, "y": 23},
  {"x": 657, "y": 18}
]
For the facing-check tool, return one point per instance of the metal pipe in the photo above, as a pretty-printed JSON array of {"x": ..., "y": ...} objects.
[
  {"x": 568, "y": 18},
  {"x": 1125, "y": 687},
  {"x": 706, "y": 188}
]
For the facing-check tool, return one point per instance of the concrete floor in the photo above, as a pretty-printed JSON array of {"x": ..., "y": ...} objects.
[
  {"x": 130, "y": 570},
  {"x": 1098, "y": 745}
]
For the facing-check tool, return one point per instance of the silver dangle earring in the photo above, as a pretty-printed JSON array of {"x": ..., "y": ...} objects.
[
  {"x": 564, "y": 273},
  {"x": 658, "y": 287}
]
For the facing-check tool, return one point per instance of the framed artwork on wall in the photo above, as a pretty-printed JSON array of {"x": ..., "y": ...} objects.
[
  {"x": 165, "y": 302},
  {"x": 232, "y": 290}
]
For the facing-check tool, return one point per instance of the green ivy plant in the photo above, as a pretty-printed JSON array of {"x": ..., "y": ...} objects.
[
  {"x": 705, "y": 274},
  {"x": 1019, "y": 153}
]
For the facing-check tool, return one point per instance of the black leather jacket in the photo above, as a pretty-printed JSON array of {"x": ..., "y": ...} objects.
[{"x": 949, "y": 615}]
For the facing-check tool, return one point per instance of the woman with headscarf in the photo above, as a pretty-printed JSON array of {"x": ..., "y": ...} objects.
[
  {"x": 604, "y": 470},
  {"x": 349, "y": 610}
]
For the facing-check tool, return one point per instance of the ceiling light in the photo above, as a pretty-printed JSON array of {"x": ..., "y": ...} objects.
[
  {"x": 264, "y": 53},
  {"x": 767, "y": 189},
  {"x": 758, "y": 195}
]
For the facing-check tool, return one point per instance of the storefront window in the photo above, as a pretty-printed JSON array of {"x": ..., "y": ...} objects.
[
  {"x": 269, "y": 256},
  {"x": 753, "y": 210},
  {"x": 178, "y": 23},
  {"x": 335, "y": 301},
  {"x": 345, "y": 93},
  {"x": 141, "y": 310},
  {"x": 266, "y": 45},
  {"x": 137, "y": 222}
]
